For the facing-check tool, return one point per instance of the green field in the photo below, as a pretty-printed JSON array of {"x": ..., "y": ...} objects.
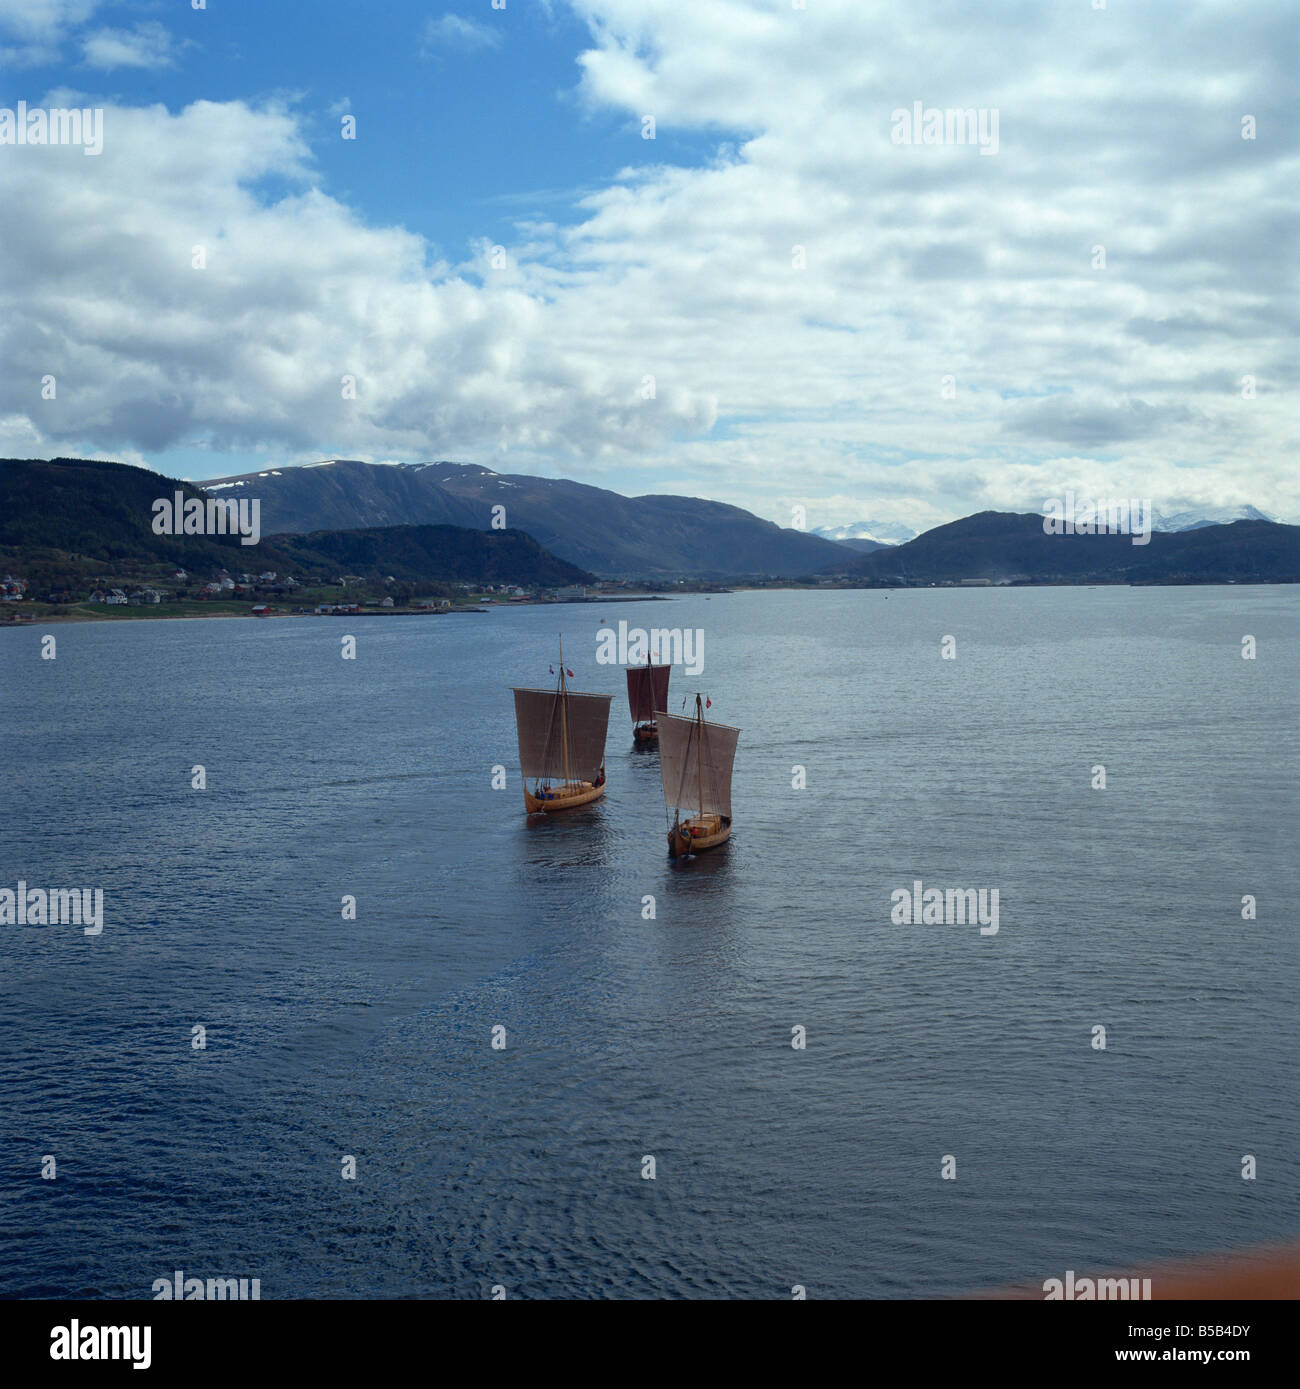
[{"x": 120, "y": 611}]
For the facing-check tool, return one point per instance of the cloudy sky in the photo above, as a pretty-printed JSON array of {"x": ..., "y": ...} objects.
[{"x": 503, "y": 262}]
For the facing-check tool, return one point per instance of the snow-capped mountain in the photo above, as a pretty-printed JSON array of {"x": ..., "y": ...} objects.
[
  {"x": 1207, "y": 516},
  {"x": 882, "y": 532}
]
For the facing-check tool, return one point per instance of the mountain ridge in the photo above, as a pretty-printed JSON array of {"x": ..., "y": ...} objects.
[
  {"x": 655, "y": 535},
  {"x": 65, "y": 520},
  {"x": 1012, "y": 547}
]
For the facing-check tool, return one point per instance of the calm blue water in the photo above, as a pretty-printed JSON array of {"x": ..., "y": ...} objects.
[{"x": 671, "y": 1036}]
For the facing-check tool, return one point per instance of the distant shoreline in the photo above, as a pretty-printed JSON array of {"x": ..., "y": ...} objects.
[
  {"x": 146, "y": 613},
  {"x": 21, "y": 619}
]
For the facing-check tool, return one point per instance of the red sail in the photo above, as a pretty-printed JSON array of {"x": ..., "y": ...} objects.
[{"x": 647, "y": 691}]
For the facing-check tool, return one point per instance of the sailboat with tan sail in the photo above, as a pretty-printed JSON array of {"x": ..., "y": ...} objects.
[
  {"x": 647, "y": 693},
  {"x": 561, "y": 744},
  {"x": 695, "y": 761}
]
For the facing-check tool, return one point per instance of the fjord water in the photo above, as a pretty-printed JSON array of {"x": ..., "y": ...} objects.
[{"x": 671, "y": 1037}]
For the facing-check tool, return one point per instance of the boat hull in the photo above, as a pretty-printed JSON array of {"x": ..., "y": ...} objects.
[
  {"x": 564, "y": 797},
  {"x": 645, "y": 734},
  {"x": 695, "y": 835}
]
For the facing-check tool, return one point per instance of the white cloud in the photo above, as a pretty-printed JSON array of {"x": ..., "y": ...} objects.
[
  {"x": 774, "y": 385},
  {"x": 250, "y": 351},
  {"x": 452, "y": 31},
  {"x": 35, "y": 28},
  {"x": 43, "y": 20},
  {"x": 148, "y": 45}
]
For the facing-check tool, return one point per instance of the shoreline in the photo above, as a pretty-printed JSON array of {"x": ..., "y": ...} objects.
[{"x": 22, "y": 619}]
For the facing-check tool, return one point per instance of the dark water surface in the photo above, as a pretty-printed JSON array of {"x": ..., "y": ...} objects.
[{"x": 667, "y": 1037}]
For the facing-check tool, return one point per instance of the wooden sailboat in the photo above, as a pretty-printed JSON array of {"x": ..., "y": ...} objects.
[
  {"x": 561, "y": 745},
  {"x": 647, "y": 693},
  {"x": 695, "y": 760}
]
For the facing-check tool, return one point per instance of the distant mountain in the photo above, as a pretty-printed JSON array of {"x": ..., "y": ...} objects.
[
  {"x": 895, "y": 533},
  {"x": 65, "y": 521},
  {"x": 99, "y": 511},
  {"x": 1195, "y": 520},
  {"x": 348, "y": 495},
  {"x": 879, "y": 532},
  {"x": 862, "y": 546},
  {"x": 415, "y": 554},
  {"x": 613, "y": 535},
  {"x": 1006, "y": 547}
]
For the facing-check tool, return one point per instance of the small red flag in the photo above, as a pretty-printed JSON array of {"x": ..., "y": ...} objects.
[
  {"x": 569, "y": 673},
  {"x": 708, "y": 703}
]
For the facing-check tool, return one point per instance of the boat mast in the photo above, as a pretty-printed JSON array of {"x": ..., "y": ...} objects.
[
  {"x": 564, "y": 715},
  {"x": 699, "y": 751}
]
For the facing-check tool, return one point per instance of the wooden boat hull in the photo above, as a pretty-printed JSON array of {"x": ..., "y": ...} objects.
[
  {"x": 563, "y": 797},
  {"x": 644, "y": 734},
  {"x": 713, "y": 830}
]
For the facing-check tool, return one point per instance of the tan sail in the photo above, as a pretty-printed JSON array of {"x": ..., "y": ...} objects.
[
  {"x": 561, "y": 745},
  {"x": 538, "y": 717},
  {"x": 695, "y": 762}
]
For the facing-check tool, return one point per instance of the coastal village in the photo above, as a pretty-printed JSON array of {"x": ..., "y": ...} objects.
[{"x": 268, "y": 594}]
